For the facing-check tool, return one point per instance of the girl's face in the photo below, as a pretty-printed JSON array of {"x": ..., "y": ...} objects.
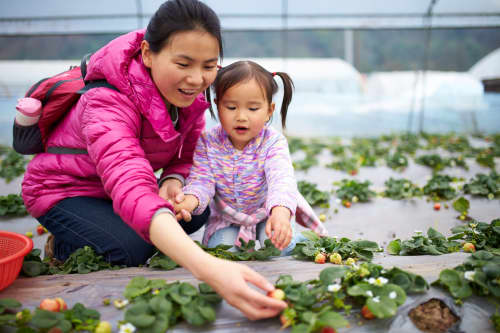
[
  {"x": 184, "y": 67},
  {"x": 243, "y": 112}
]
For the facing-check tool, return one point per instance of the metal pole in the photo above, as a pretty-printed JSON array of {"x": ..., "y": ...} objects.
[
  {"x": 427, "y": 17},
  {"x": 284, "y": 29},
  {"x": 138, "y": 6},
  {"x": 349, "y": 46}
]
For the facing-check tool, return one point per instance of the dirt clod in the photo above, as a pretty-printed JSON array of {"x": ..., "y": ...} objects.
[{"x": 433, "y": 316}]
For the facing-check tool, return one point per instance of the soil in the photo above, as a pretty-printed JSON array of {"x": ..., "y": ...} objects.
[{"x": 433, "y": 316}]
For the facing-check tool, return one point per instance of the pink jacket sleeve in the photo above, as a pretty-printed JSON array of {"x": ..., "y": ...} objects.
[
  {"x": 111, "y": 127},
  {"x": 281, "y": 184},
  {"x": 183, "y": 161}
]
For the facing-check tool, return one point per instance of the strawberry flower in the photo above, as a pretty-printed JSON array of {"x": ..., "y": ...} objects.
[
  {"x": 380, "y": 281},
  {"x": 334, "y": 287},
  {"x": 127, "y": 328},
  {"x": 469, "y": 275},
  {"x": 369, "y": 293},
  {"x": 376, "y": 299},
  {"x": 393, "y": 295},
  {"x": 120, "y": 304}
]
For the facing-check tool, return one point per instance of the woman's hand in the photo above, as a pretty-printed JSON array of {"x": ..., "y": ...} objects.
[
  {"x": 230, "y": 280},
  {"x": 170, "y": 189},
  {"x": 278, "y": 227},
  {"x": 227, "y": 278}
]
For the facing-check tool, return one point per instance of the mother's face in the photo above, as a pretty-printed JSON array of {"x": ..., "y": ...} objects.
[{"x": 184, "y": 67}]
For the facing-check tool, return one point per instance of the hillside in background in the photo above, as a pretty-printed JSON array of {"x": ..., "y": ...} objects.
[{"x": 374, "y": 50}]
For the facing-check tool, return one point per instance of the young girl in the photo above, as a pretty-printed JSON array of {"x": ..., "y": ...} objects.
[{"x": 244, "y": 165}]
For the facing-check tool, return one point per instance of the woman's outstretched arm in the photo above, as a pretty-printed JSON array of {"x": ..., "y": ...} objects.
[{"x": 229, "y": 279}]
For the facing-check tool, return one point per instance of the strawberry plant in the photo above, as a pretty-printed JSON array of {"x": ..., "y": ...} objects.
[
  {"x": 434, "y": 244},
  {"x": 433, "y": 161},
  {"x": 82, "y": 261},
  {"x": 77, "y": 319},
  {"x": 438, "y": 188},
  {"x": 359, "y": 249},
  {"x": 484, "y": 185},
  {"x": 313, "y": 196},
  {"x": 155, "y": 305},
  {"x": 352, "y": 188},
  {"x": 312, "y": 304},
  {"x": 305, "y": 164},
  {"x": 482, "y": 235},
  {"x": 479, "y": 274},
  {"x": 347, "y": 164},
  {"x": 246, "y": 252},
  {"x": 11, "y": 164},
  {"x": 486, "y": 159},
  {"x": 399, "y": 189},
  {"x": 397, "y": 161},
  {"x": 12, "y": 205}
]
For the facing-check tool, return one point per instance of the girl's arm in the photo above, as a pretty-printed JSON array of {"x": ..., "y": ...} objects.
[
  {"x": 229, "y": 279},
  {"x": 281, "y": 200},
  {"x": 201, "y": 181}
]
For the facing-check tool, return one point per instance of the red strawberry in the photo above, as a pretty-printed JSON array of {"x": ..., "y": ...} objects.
[
  {"x": 40, "y": 230},
  {"x": 354, "y": 172},
  {"x": 62, "y": 304},
  {"x": 278, "y": 294},
  {"x": 366, "y": 313},
  {"x": 320, "y": 258},
  {"x": 328, "y": 329},
  {"x": 437, "y": 206},
  {"x": 469, "y": 247},
  {"x": 347, "y": 204},
  {"x": 50, "y": 304}
]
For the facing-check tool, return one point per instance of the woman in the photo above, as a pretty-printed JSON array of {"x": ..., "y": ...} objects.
[{"x": 109, "y": 198}]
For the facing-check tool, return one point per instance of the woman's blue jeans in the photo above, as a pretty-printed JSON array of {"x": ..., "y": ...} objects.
[{"x": 79, "y": 221}]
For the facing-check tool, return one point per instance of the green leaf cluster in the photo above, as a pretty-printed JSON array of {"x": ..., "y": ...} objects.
[
  {"x": 360, "y": 249},
  {"x": 434, "y": 244},
  {"x": 11, "y": 164},
  {"x": 347, "y": 164},
  {"x": 438, "y": 188},
  {"x": 84, "y": 260},
  {"x": 350, "y": 188},
  {"x": 12, "y": 205},
  {"x": 486, "y": 159},
  {"x": 484, "y": 236},
  {"x": 76, "y": 319},
  {"x": 484, "y": 185},
  {"x": 399, "y": 189},
  {"x": 479, "y": 275},
  {"x": 246, "y": 252},
  {"x": 312, "y": 195},
  {"x": 397, "y": 161},
  {"x": 156, "y": 305}
]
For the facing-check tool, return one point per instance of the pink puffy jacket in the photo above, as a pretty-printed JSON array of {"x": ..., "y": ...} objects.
[{"x": 128, "y": 135}]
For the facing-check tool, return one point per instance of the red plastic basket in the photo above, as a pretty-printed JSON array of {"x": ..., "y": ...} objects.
[{"x": 13, "y": 248}]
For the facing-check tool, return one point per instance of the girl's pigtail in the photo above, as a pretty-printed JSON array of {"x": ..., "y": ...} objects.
[
  {"x": 287, "y": 95},
  {"x": 208, "y": 98}
]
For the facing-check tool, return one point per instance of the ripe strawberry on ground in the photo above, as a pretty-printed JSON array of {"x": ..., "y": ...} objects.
[
  {"x": 354, "y": 172},
  {"x": 437, "y": 206},
  {"x": 347, "y": 204},
  {"x": 278, "y": 294},
  {"x": 50, "y": 304},
  {"x": 62, "y": 304},
  {"x": 328, "y": 329},
  {"x": 366, "y": 313},
  {"x": 350, "y": 261},
  {"x": 40, "y": 229},
  {"x": 320, "y": 258},
  {"x": 322, "y": 217},
  {"x": 469, "y": 247},
  {"x": 335, "y": 258},
  {"x": 287, "y": 317}
]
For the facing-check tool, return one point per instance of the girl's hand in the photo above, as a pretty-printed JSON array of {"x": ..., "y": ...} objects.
[
  {"x": 230, "y": 280},
  {"x": 278, "y": 227},
  {"x": 184, "y": 206},
  {"x": 170, "y": 189}
]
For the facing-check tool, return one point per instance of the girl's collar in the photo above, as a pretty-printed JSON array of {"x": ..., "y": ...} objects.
[{"x": 249, "y": 148}]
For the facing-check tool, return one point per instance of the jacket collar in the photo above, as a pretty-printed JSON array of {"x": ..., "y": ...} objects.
[{"x": 250, "y": 148}]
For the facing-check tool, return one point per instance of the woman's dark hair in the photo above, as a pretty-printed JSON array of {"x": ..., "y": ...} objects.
[
  {"x": 182, "y": 15},
  {"x": 242, "y": 71}
]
